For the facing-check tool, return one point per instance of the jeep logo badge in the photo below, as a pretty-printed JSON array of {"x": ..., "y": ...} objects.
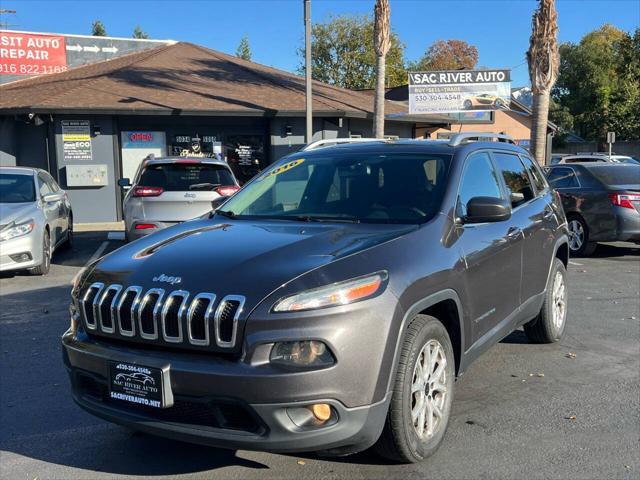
[{"x": 167, "y": 279}]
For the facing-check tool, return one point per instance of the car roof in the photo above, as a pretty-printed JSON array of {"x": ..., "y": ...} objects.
[
  {"x": 412, "y": 146},
  {"x": 20, "y": 170},
  {"x": 207, "y": 160}
]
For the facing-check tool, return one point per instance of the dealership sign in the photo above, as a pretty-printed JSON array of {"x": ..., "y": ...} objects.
[
  {"x": 26, "y": 54},
  {"x": 459, "y": 91}
]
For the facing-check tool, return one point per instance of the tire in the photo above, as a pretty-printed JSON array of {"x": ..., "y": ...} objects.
[
  {"x": 579, "y": 243},
  {"x": 43, "y": 268},
  {"x": 549, "y": 325},
  {"x": 68, "y": 243},
  {"x": 400, "y": 440}
]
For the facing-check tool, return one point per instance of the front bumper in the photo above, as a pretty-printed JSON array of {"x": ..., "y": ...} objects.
[
  {"x": 30, "y": 244},
  {"x": 215, "y": 401}
]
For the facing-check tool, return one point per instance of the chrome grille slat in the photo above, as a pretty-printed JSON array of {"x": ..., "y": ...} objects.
[
  {"x": 110, "y": 312},
  {"x": 218, "y": 318},
  {"x": 206, "y": 317},
  {"x": 179, "y": 314},
  {"x": 159, "y": 315}
]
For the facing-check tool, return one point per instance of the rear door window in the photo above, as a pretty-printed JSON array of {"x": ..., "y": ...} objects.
[
  {"x": 563, "y": 178},
  {"x": 177, "y": 177},
  {"x": 515, "y": 177}
]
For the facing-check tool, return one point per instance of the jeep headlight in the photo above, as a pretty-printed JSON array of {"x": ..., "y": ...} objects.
[
  {"x": 17, "y": 230},
  {"x": 341, "y": 293}
]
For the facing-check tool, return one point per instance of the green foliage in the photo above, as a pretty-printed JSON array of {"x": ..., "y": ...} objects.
[
  {"x": 98, "y": 29},
  {"x": 244, "y": 51},
  {"x": 343, "y": 54},
  {"x": 447, "y": 55},
  {"x": 599, "y": 83},
  {"x": 139, "y": 33}
]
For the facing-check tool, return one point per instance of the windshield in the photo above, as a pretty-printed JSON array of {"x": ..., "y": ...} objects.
[
  {"x": 15, "y": 188},
  {"x": 612, "y": 175},
  {"x": 371, "y": 188},
  {"x": 180, "y": 177}
]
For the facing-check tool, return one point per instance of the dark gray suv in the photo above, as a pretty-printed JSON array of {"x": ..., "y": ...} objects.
[{"x": 327, "y": 306}]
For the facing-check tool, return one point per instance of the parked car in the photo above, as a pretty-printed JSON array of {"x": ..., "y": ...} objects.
[
  {"x": 556, "y": 157},
  {"x": 601, "y": 201},
  {"x": 482, "y": 101},
  {"x": 170, "y": 190},
  {"x": 35, "y": 219},
  {"x": 595, "y": 158},
  {"x": 328, "y": 305}
]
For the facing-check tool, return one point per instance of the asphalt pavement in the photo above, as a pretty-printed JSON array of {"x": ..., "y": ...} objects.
[{"x": 569, "y": 410}]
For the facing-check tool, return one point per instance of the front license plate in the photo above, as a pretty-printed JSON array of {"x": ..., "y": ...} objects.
[{"x": 136, "y": 384}]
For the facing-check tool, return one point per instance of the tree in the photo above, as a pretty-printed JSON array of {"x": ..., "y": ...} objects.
[
  {"x": 543, "y": 60},
  {"x": 343, "y": 54},
  {"x": 139, "y": 33},
  {"x": 381, "y": 44},
  {"x": 599, "y": 83},
  {"x": 447, "y": 55},
  {"x": 244, "y": 50},
  {"x": 98, "y": 30}
]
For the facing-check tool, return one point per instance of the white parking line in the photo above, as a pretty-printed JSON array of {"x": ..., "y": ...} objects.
[
  {"x": 575, "y": 263},
  {"x": 98, "y": 253}
]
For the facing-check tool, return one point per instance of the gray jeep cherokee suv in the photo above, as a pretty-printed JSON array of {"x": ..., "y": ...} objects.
[{"x": 329, "y": 305}]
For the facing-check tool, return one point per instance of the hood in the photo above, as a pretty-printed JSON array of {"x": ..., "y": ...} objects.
[
  {"x": 238, "y": 257},
  {"x": 15, "y": 212}
]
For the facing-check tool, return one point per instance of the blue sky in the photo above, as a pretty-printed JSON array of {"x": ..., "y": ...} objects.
[{"x": 500, "y": 29}]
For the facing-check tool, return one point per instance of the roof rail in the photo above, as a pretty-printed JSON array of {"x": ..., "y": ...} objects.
[
  {"x": 336, "y": 141},
  {"x": 459, "y": 138}
]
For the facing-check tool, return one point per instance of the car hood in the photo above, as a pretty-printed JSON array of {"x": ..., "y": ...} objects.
[
  {"x": 15, "y": 212},
  {"x": 238, "y": 257}
]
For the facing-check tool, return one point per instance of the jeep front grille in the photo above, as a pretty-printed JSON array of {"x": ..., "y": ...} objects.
[{"x": 162, "y": 317}]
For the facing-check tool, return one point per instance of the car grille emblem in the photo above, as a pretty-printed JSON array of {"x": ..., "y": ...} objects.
[{"x": 167, "y": 279}]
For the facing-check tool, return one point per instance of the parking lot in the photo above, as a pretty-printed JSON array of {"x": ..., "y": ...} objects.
[{"x": 568, "y": 410}]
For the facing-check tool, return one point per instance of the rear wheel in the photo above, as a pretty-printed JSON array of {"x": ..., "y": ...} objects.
[
  {"x": 579, "y": 237},
  {"x": 43, "y": 268},
  {"x": 422, "y": 394},
  {"x": 549, "y": 325}
]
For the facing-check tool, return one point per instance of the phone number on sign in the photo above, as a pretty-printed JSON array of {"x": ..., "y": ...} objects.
[
  {"x": 436, "y": 97},
  {"x": 31, "y": 69}
]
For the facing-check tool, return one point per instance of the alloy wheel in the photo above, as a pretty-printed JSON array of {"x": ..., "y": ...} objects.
[
  {"x": 576, "y": 235},
  {"x": 46, "y": 251},
  {"x": 559, "y": 293},
  {"x": 429, "y": 390}
]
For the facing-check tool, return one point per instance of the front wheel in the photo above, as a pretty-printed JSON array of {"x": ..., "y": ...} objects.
[
  {"x": 422, "y": 394},
  {"x": 43, "y": 268},
  {"x": 549, "y": 325}
]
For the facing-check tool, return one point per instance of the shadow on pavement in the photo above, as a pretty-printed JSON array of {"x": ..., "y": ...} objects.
[
  {"x": 608, "y": 250},
  {"x": 39, "y": 419}
]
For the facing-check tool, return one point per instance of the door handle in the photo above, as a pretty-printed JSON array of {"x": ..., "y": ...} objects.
[{"x": 514, "y": 232}]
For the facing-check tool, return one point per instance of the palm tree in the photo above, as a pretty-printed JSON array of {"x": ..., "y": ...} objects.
[
  {"x": 544, "y": 61},
  {"x": 381, "y": 45}
]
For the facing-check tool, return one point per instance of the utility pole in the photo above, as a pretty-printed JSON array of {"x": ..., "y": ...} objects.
[{"x": 307, "y": 69}]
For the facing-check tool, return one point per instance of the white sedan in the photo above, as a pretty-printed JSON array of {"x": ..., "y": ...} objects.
[{"x": 35, "y": 219}]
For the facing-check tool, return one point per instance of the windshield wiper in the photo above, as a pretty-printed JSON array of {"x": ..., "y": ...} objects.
[
  {"x": 226, "y": 213},
  {"x": 204, "y": 185},
  {"x": 312, "y": 218}
]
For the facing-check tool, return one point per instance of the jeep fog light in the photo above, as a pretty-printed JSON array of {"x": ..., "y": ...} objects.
[
  {"x": 313, "y": 416},
  {"x": 307, "y": 353}
]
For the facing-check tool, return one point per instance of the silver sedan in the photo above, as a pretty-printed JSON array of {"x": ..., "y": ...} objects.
[{"x": 35, "y": 219}]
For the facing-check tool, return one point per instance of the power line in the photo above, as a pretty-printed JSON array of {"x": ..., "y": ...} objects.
[{"x": 4, "y": 11}]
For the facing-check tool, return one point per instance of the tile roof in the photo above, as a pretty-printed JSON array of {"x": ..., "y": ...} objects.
[{"x": 182, "y": 78}]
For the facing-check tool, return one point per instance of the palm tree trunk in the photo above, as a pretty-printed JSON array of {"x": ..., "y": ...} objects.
[
  {"x": 378, "y": 108},
  {"x": 539, "y": 117}
]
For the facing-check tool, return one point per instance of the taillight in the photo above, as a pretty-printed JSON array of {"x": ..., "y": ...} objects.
[
  {"x": 624, "y": 199},
  {"x": 227, "y": 191},
  {"x": 147, "y": 191},
  {"x": 144, "y": 226}
]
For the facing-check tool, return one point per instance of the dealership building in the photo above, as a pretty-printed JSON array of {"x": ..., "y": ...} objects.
[{"x": 93, "y": 122}]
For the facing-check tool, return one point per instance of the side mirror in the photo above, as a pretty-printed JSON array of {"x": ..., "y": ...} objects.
[
  {"x": 218, "y": 201},
  {"x": 487, "y": 209},
  {"x": 52, "y": 197},
  {"x": 124, "y": 183}
]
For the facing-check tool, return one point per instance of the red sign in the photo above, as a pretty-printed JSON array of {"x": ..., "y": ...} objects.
[
  {"x": 27, "y": 54},
  {"x": 141, "y": 137}
]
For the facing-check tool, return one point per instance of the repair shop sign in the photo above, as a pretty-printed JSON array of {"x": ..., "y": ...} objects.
[
  {"x": 31, "y": 54},
  {"x": 453, "y": 91}
]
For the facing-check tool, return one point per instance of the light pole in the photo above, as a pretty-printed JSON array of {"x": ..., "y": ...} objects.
[{"x": 307, "y": 68}]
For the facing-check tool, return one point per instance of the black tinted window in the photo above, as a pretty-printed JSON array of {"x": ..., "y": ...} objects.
[
  {"x": 582, "y": 159},
  {"x": 563, "y": 178},
  {"x": 612, "y": 175},
  {"x": 16, "y": 188},
  {"x": 177, "y": 177},
  {"x": 478, "y": 180},
  {"x": 534, "y": 173},
  {"x": 515, "y": 176}
]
